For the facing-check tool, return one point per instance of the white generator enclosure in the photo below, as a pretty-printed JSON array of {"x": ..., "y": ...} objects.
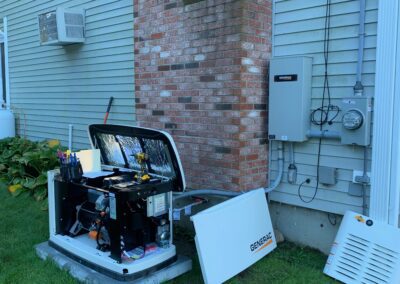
[
  {"x": 233, "y": 235},
  {"x": 365, "y": 251},
  {"x": 289, "y": 98},
  {"x": 62, "y": 26},
  {"x": 118, "y": 222}
]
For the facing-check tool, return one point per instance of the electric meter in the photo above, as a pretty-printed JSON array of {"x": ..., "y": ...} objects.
[
  {"x": 356, "y": 120},
  {"x": 352, "y": 119}
]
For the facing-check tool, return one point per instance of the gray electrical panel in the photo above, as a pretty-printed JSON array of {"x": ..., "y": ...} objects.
[
  {"x": 356, "y": 120},
  {"x": 289, "y": 98}
]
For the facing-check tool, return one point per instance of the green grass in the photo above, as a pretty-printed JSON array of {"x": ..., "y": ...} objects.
[{"x": 23, "y": 224}]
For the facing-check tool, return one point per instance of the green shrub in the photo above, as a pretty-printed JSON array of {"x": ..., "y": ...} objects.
[{"x": 24, "y": 165}]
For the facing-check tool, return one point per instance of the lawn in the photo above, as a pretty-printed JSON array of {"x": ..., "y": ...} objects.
[{"x": 24, "y": 223}]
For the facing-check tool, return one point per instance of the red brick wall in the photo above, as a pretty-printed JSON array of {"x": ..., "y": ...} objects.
[{"x": 200, "y": 74}]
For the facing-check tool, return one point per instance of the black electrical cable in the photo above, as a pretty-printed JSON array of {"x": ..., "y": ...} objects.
[
  {"x": 299, "y": 189},
  {"x": 323, "y": 110},
  {"x": 334, "y": 222}
]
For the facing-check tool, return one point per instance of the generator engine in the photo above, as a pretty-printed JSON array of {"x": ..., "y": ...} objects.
[{"x": 91, "y": 217}]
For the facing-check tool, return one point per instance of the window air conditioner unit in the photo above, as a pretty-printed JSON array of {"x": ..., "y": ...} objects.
[{"x": 62, "y": 27}]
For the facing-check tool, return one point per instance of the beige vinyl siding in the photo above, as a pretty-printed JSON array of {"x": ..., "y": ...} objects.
[
  {"x": 54, "y": 86},
  {"x": 298, "y": 29}
]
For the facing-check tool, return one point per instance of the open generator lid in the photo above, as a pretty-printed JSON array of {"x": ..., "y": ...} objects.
[{"x": 118, "y": 145}]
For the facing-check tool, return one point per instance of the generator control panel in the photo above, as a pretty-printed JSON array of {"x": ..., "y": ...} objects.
[{"x": 289, "y": 98}]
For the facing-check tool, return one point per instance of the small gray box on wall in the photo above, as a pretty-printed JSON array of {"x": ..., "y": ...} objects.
[
  {"x": 289, "y": 98},
  {"x": 327, "y": 175}
]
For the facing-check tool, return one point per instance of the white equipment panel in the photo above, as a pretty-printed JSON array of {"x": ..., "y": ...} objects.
[
  {"x": 233, "y": 235},
  {"x": 365, "y": 251}
]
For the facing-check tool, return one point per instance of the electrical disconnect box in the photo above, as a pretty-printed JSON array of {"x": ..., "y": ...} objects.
[
  {"x": 356, "y": 120},
  {"x": 289, "y": 98}
]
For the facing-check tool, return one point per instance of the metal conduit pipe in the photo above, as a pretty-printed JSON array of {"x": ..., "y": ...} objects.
[
  {"x": 361, "y": 38},
  {"x": 226, "y": 193},
  {"x": 359, "y": 91},
  {"x": 328, "y": 134},
  {"x": 291, "y": 153},
  {"x": 358, "y": 87},
  {"x": 365, "y": 179}
]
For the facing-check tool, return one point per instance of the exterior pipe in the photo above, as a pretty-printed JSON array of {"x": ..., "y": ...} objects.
[
  {"x": 359, "y": 91},
  {"x": 2, "y": 94},
  {"x": 269, "y": 161},
  {"x": 358, "y": 87},
  {"x": 226, "y": 193},
  {"x": 292, "y": 169},
  {"x": 7, "y": 75},
  {"x": 361, "y": 37},
  {"x": 365, "y": 182},
  {"x": 70, "y": 128},
  {"x": 291, "y": 153},
  {"x": 323, "y": 134}
]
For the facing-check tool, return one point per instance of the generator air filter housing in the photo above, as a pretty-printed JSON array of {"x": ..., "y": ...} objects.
[
  {"x": 365, "y": 251},
  {"x": 61, "y": 27}
]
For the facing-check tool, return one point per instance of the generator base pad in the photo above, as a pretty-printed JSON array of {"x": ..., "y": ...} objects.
[{"x": 86, "y": 275}]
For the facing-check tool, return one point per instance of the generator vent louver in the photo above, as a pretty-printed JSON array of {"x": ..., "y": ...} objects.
[{"x": 364, "y": 253}]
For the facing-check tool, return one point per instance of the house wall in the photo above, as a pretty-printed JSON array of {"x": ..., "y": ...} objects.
[
  {"x": 54, "y": 86},
  {"x": 298, "y": 30},
  {"x": 200, "y": 73}
]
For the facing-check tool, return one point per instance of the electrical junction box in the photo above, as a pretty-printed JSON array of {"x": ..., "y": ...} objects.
[
  {"x": 356, "y": 120},
  {"x": 289, "y": 98},
  {"x": 327, "y": 175}
]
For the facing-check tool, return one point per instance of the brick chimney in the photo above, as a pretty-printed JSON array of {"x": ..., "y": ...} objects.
[{"x": 201, "y": 75}]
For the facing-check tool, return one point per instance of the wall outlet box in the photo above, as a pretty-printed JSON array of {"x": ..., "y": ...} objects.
[
  {"x": 359, "y": 173},
  {"x": 355, "y": 189},
  {"x": 327, "y": 175}
]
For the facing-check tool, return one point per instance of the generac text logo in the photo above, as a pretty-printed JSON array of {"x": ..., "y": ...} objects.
[{"x": 262, "y": 243}]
